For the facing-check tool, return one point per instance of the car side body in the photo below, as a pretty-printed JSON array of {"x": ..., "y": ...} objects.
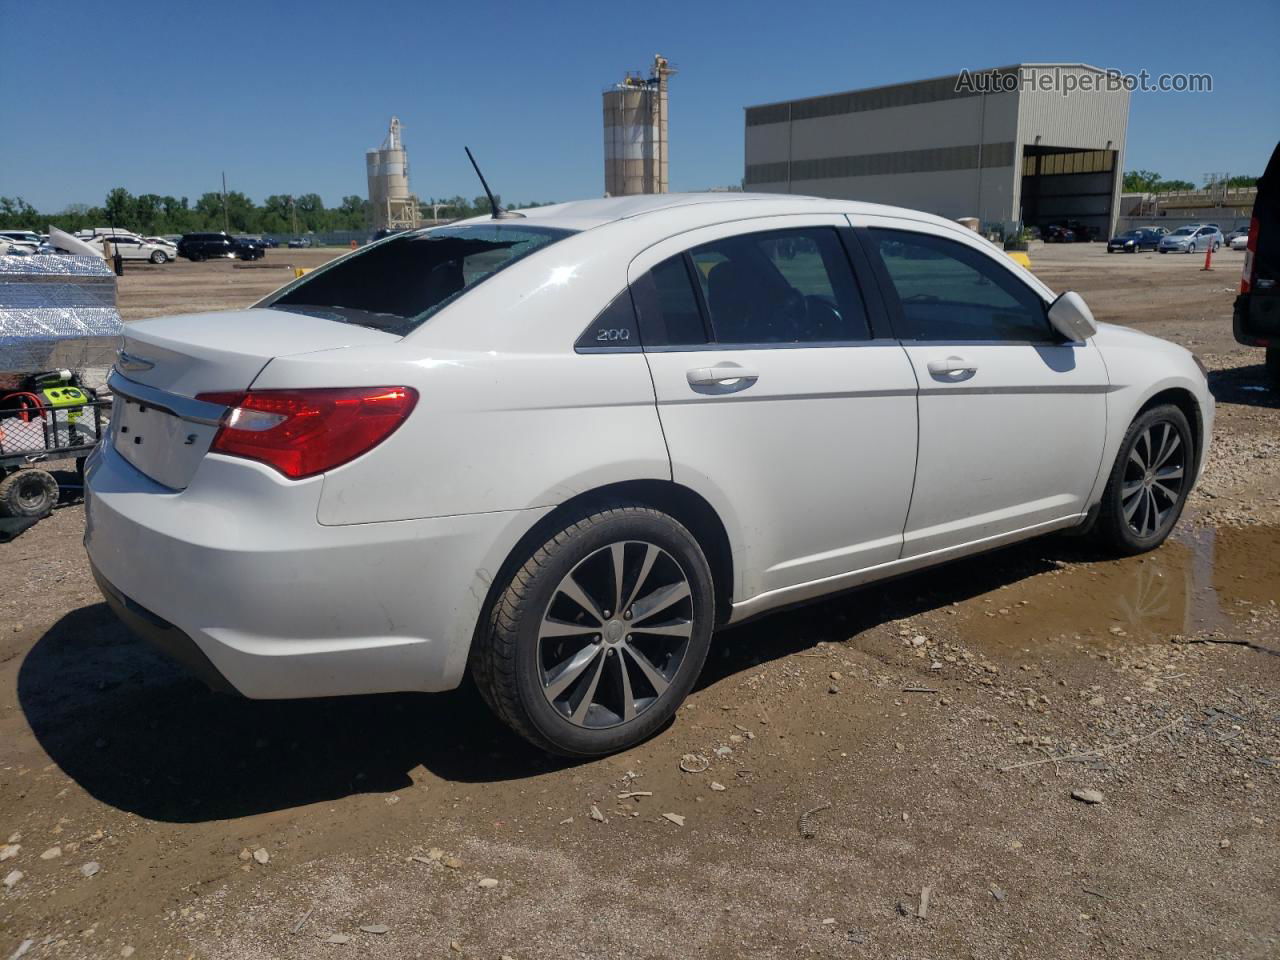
[
  {"x": 212, "y": 246},
  {"x": 1132, "y": 241},
  {"x": 1194, "y": 238},
  {"x": 801, "y": 468}
]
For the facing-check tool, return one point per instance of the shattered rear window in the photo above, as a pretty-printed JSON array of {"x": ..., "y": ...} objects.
[{"x": 399, "y": 283}]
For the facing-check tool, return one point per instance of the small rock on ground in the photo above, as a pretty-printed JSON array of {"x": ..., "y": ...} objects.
[{"x": 1087, "y": 795}]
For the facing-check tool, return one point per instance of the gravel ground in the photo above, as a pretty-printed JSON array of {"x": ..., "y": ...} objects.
[{"x": 930, "y": 734}]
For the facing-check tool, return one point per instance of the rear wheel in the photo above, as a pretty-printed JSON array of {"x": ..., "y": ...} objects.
[
  {"x": 1149, "y": 482},
  {"x": 28, "y": 493},
  {"x": 600, "y": 635}
]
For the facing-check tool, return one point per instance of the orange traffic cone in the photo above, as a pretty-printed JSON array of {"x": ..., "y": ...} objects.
[{"x": 1208, "y": 259}]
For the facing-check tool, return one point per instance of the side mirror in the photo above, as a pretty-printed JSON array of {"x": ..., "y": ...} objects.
[{"x": 1072, "y": 318}]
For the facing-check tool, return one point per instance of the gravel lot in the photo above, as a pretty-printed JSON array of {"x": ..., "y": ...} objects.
[{"x": 933, "y": 729}]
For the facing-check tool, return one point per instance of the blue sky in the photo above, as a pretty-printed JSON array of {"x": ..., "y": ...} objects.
[{"x": 286, "y": 97}]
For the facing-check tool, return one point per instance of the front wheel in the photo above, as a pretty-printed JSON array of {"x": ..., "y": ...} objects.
[
  {"x": 1149, "y": 482},
  {"x": 600, "y": 635},
  {"x": 159, "y": 256}
]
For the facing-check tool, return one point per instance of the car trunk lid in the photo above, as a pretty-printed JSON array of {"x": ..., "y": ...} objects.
[{"x": 158, "y": 424}]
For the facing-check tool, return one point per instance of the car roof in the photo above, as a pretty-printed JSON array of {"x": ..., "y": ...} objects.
[{"x": 586, "y": 214}]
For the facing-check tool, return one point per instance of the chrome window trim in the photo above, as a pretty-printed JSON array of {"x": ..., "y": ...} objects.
[{"x": 790, "y": 345}]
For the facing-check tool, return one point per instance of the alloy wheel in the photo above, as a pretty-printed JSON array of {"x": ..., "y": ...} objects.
[
  {"x": 1154, "y": 474},
  {"x": 615, "y": 634}
]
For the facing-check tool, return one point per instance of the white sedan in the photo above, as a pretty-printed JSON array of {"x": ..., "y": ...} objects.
[
  {"x": 558, "y": 449},
  {"x": 1240, "y": 242},
  {"x": 131, "y": 247}
]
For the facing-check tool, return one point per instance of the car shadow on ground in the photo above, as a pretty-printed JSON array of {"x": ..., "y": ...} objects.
[
  {"x": 1250, "y": 385},
  {"x": 137, "y": 733}
]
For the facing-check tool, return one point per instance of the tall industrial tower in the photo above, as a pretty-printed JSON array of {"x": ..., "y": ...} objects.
[
  {"x": 635, "y": 132},
  {"x": 390, "y": 201}
]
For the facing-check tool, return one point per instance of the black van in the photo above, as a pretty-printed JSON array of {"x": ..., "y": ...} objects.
[
  {"x": 204, "y": 246},
  {"x": 1256, "y": 318}
]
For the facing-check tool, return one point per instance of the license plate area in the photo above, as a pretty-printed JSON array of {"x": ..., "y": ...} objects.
[{"x": 164, "y": 447}]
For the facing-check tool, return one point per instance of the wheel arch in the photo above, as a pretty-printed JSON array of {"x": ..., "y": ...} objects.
[
  {"x": 1186, "y": 401},
  {"x": 677, "y": 501}
]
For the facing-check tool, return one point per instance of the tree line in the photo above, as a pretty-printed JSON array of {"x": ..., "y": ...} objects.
[
  {"x": 152, "y": 214},
  {"x": 1148, "y": 181}
]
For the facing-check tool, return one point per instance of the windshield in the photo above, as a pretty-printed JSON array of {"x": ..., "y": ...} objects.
[
  {"x": 397, "y": 284},
  {"x": 1130, "y": 234},
  {"x": 1184, "y": 231}
]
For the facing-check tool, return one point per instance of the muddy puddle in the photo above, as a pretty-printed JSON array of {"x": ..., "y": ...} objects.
[{"x": 1204, "y": 579}]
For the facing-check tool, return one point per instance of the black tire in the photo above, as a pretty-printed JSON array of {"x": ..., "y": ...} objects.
[
  {"x": 197, "y": 257},
  {"x": 1273, "y": 365},
  {"x": 1144, "y": 440},
  {"x": 28, "y": 493},
  {"x": 507, "y": 658}
]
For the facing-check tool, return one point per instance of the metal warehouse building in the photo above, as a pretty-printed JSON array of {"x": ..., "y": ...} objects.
[{"x": 1029, "y": 143}]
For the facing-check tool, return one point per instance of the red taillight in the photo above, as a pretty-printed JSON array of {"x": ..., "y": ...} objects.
[
  {"x": 1250, "y": 250},
  {"x": 305, "y": 432}
]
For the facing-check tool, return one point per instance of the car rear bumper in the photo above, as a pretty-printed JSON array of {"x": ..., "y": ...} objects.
[
  {"x": 162, "y": 635},
  {"x": 235, "y": 578}
]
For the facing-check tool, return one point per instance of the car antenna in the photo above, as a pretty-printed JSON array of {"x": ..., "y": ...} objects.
[{"x": 497, "y": 212}]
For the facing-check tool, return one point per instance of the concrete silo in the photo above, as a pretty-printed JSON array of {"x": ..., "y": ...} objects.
[
  {"x": 635, "y": 133},
  {"x": 391, "y": 203}
]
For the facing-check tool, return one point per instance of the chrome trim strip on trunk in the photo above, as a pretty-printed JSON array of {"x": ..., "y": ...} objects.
[{"x": 184, "y": 408}]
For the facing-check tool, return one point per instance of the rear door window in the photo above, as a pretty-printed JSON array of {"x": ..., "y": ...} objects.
[
  {"x": 754, "y": 289},
  {"x": 398, "y": 284},
  {"x": 668, "y": 306},
  {"x": 780, "y": 286}
]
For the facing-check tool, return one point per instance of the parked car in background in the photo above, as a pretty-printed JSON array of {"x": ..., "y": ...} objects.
[
  {"x": 16, "y": 248},
  {"x": 269, "y": 242},
  {"x": 132, "y": 247},
  {"x": 1191, "y": 239},
  {"x": 1131, "y": 241},
  {"x": 1256, "y": 315},
  {"x": 299, "y": 243},
  {"x": 258, "y": 242},
  {"x": 1240, "y": 242},
  {"x": 377, "y": 479},
  {"x": 1233, "y": 234},
  {"x": 210, "y": 246},
  {"x": 1082, "y": 232},
  {"x": 170, "y": 246},
  {"x": 1057, "y": 233},
  {"x": 26, "y": 239}
]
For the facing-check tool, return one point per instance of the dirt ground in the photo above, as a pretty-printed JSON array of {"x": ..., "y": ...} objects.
[{"x": 928, "y": 733}]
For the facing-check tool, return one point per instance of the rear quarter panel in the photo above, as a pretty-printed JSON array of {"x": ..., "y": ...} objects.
[{"x": 509, "y": 416}]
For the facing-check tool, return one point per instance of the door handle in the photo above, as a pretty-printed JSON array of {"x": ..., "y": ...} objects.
[
  {"x": 952, "y": 368},
  {"x": 722, "y": 373}
]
